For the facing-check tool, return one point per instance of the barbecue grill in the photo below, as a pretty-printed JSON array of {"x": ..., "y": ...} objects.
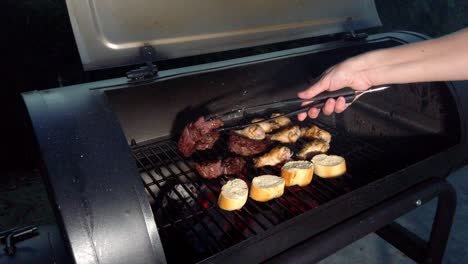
[{"x": 123, "y": 193}]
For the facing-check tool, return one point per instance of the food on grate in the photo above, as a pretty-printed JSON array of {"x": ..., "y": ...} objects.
[
  {"x": 328, "y": 166},
  {"x": 233, "y": 195},
  {"x": 275, "y": 156},
  {"x": 287, "y": 135},
  {"x": 266, "y": 126},
  {"x": 297, "y": 173},
  {"x": 245, "y": 146},
  {"x": 199, "y": 135},
  {"x": 210, "y": 169},
  {"x": 233, "y": 165},
  {"x": 281, "y": 121},
  {"x": 312, "y": 148},
  {"x": 266, "y": 187},
  {"x": 215, "y": 168},
  {"x": 314, "y": 132},
  {"x": 254, "y": 132},
  {"x": 269, "y": 126}
]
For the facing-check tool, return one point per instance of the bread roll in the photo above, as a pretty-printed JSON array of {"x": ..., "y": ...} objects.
[
  {"x": 328, "y": 166},
  {"x": 297, "y": 173},
  {"x": 266, "y": 187},
  {"x": 233, "y": 195}
]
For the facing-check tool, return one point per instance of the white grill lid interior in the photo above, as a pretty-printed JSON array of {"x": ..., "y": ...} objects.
[{"x": 110, "y": 33}]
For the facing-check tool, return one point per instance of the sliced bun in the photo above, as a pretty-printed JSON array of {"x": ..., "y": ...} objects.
[
  {"x": 233, "y": 195},
  {"x": 266, "y": 187},
  {"x": 297, "y": 173},
  {"x": 329, "y": 166}
]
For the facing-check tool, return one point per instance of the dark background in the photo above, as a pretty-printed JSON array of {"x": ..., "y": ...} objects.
[{"x": 41, "y": 53}]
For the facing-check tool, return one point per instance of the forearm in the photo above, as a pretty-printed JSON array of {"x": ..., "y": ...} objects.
[
  {"x": 437, "y": 68},
  {"x": 440, "y": 59}
]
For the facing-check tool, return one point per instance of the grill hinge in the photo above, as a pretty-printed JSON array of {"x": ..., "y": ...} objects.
[
  {"x": 351, "y": 35},
  {"x": 149, "y": 71},
  {"x": 11, "y": 236}
]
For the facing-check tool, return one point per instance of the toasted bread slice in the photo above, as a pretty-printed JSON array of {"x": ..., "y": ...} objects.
[
  {"x": 233, "y": 195},
  {"x": 329, "y": 166},
  {"x": 297, "y": 173},
  {"x": 266, "y": 187}
]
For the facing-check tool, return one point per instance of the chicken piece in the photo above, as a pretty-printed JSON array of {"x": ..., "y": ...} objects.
[
  {"x": 315, "y": 147},
  {"x": 266, "y": 126},
  {"x": 269, "y": 126},
  {"x": 276, "y": 156},
  {"x": 281, "y": 121},
  {"x": 254, "y": 132},
  {"x": 287, "y": 135},
  {"x": 314, "y": 132}
]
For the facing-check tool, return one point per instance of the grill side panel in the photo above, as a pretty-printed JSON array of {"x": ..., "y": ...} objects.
[{"x": 99, "y": 200}]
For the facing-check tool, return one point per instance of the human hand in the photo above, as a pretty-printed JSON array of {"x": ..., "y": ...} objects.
[{"x": 351, "y": 73}]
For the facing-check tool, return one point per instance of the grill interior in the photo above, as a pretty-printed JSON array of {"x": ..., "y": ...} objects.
[
  {"x": 185, "y": 204},
  {"x": 379, "y": 135}
]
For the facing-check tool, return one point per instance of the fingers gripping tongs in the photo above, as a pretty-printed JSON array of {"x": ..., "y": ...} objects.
[{"x": 318, "y": 101}]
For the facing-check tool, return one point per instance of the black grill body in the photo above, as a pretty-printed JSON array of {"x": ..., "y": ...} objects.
[{"x": 123, "y": 194}]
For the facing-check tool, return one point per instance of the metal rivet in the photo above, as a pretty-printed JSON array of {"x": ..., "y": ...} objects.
[{"x": 418, "y": 202}]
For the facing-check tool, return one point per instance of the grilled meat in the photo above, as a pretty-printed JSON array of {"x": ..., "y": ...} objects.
[
  {"x": 255, "y": 132},
  {"x": 273, "y": 124},
  {"x": 281, "y": 121},
  {"x": 276, "y": 156},
  {"x": 245, "y": 146},
  {"x": 199, "y": 135},
  {"x": 216, "y": 168},
  {"x": 233, "y": 166},
  {"x": 314, "y": 132},
  {"x": 266, "y": 126},
  {"x": 315, "y": 147},
  {"x": 210, "y": 169},
  {"x": 287, "y": 135}
]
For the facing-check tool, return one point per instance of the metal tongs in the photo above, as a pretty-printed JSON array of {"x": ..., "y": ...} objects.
[{"x": 349, "y": 94}]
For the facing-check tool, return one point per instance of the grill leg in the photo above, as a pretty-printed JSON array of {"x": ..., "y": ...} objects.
[{"x": 415, "y": 247}]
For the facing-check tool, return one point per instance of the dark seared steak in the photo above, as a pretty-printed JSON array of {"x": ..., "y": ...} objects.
[
  {"x": 233, "y": 165},
  {"x": 210, "y": 169},
  {"x": 199, "y": 135},
  {"x": 216, "y": 168},
  {"x": 245, "y": 146}
]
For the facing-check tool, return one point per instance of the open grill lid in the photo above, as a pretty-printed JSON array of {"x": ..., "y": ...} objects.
[{"x": 110, "y": 33}]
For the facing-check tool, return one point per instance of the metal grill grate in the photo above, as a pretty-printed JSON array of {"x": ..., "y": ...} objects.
[{"x": 185, "y": 205}]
